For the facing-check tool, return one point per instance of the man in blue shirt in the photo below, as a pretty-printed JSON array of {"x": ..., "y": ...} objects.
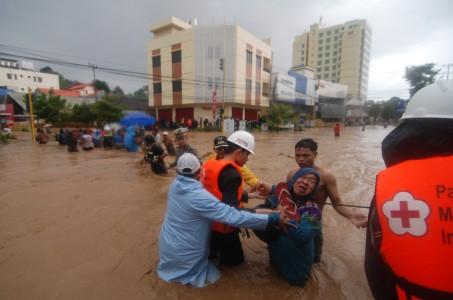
[{"x": 185, "y": 232}]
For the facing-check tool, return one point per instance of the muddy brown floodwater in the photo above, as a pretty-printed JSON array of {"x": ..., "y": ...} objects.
[{"x": 85, "y": 225}]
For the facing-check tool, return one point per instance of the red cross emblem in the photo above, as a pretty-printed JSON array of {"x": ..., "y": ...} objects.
[{"x": 406, "y": 214}]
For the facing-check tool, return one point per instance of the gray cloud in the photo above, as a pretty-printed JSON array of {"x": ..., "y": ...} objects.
[{"x": 116, "y": 33}]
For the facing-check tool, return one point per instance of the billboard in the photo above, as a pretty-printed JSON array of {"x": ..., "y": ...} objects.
[{"x": 283, "y": 87}]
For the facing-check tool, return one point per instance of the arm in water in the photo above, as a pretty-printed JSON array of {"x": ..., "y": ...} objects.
[{"x": 358, "y": 219}]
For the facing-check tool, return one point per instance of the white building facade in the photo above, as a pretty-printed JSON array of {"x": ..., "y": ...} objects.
[{"x": 18, "y": 79}]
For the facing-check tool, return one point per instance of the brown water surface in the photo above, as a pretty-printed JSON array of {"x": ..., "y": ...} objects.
[{"x": 85, "y": 225}]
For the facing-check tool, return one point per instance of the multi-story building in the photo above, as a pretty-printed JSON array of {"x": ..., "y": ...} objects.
[
  {"x": 340, "y": 54},
  {"x": 199, "y": 72},
  {"x": 19, "y": 78}
]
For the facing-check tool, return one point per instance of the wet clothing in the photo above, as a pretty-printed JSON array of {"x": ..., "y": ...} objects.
[
  {"x": 181, "y": 150},
  {"x": 184, "y": 235},
  {"x": 72, "y": 141},
  {"x": 87, "y": 142},
  {"x": 170, "y": 147},
  {"x": 154, "y": 157},
  {"x": 293, "y": 253},
  {"x": 407, "y": 258},
  {"x": 227, "y": 245},
  {"x": 212, "y": 181}
]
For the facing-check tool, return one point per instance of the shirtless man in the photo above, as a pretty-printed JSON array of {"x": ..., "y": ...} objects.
[{"x": 305, "y": 153}]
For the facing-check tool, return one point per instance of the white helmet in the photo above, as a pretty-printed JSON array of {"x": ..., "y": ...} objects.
[
  {"x": 243, "y": 139},
  {"x": 432, "y": 101}
]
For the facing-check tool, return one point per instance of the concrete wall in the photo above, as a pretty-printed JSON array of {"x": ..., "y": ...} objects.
[{"x": 20, "y": 80}]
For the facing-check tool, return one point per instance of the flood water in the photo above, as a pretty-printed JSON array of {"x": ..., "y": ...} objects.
[{"x": 85, "y": 225}]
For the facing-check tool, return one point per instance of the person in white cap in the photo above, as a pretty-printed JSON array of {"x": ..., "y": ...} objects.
[
  {"x": 184, "y": 235},
  {"x": 166, "y": 140},
  {"x": 223, "y": 179},
  {"x": 409, "y": 245}
]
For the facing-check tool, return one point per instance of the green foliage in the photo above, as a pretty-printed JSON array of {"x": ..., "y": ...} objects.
[
  {"x": 374, "y": 110},
  {"x": 105, "y": 111},
  {"x": 102, "y": 85},
  {"x": 141, "y": 93},
  {"x": 420, "y": 76},
  {"x": 49, "y": 107},
  {"x": 118, "y": 91},
  {"x": 64, "y": 82},
  {"x": 279, "y": 114},
  {"x": 82, "y": 113}
]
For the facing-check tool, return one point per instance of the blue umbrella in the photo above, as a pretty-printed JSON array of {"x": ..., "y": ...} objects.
[{"x": 137, "y": 119}]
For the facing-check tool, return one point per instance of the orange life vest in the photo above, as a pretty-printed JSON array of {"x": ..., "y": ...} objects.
[
  {"x": 414, "y": 204},
  {"x": 209, "y": 179}
]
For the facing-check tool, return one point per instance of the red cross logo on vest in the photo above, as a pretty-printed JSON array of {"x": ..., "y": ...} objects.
[{"x": 405, "y": 214}]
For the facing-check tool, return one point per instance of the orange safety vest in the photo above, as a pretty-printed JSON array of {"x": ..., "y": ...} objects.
[
  {"x": 209, "y": 179},
  {"x": 414, "y": 204}
]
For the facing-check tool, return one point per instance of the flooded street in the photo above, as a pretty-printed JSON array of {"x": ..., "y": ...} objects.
[{"x": 85, "y": 225}]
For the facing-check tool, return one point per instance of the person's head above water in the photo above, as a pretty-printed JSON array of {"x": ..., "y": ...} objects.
[
  {"x": 305, "y": 152},
  {"x": 304, "y": 182}
]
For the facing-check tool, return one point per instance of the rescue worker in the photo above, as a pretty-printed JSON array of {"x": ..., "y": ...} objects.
[
  {"x": 183, "y": 240},
  {"x": 220, "y": 144},
  {"x": 409, "y": 245},
  {"x": 222, "y": 178}
]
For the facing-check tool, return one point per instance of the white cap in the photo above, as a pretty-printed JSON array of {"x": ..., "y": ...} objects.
[
  {"x": 432, "y": 101},
  {"x": 244, "y": 140},
  {"x": 187, "y": 164},
  {"x": 165, "y": 133}
]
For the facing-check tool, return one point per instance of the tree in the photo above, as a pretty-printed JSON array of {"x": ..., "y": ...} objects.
[
  {"x": 142, "y": 92},
  {"x": 105, "y": 111},
  {"x": 374, "y": 110},
  {"x": 420, "y": 76},
  {"x": 389, "y": 109},
  {"x": 82, "y": 113},
  {"x": 64, "y": 82},
  {"x": 102, "y": 85},
  {"x": 49, "y": 107},
  {"x": 118, "y": 91},
  {"x": 279, "y": 114}
]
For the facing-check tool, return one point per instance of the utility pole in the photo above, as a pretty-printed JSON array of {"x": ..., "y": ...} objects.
[{"x": 94, "y": 67}]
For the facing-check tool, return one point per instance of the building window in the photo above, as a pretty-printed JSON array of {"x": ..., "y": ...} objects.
[
  {"x": 334, "y": 53},
  {"x": 319, "y": 48},
  {"x": 328, "y": 40},
  {"x": 249, "y": 57},
  {"x": 327, "y": 61},
  {"x": 15, "y": 77},
  {"x": 39, "y": 79},
  {"x": 209, "y": 82},
  {"x": 319, "y": 62},
  {"x": 258, "y": 60},
  {"x": 22, "y": 76},
  {"x": 176, "y": 57},
  {"x": 157, "y": 88},
  {"x": 320, "y": 55},
  {"x": 334, "y": 60},
  {"x": 210, "y": 53},
  {"x": 319, "y": 76},
  {"x": 217, "y": 81},
  {"x": 328, "y": 47},
  {"x": 258, "y": 89},
  {"x": 319, "y": 69},
  {"x": 302, "y": 46},
  {"x": 177, "y": 85},
  {"x": 335, "y": 38},
  {"x": 333, "y": 75},
  {"x": 34, "y": 78},
  {"x": 336, "y": 31},
  {"x": 9, "y": 76},
  {"x": 248, "y": 85},
  {"x": 326, "y": 68},
  {"x": 320, "y": 41},
  {"x": 327, "y": 54},
  {"x": 321, "y": 34},
  {"x": 334, "y": 67},
  {"x": 156, "y": 61},
  {"x": 335, "y": 46},
  {"x": 328, "y": 32}
]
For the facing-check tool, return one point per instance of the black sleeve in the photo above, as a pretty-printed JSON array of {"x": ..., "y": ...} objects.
[
  {"x": 381, "y": 279},
  {"x": 229, "y": 182}
]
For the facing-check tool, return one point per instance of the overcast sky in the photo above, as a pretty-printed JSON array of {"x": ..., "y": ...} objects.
[{"x": 116, "y": 33}]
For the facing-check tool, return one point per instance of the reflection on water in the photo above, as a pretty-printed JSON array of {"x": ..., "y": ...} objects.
[{"x": 85, "y": 225}]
